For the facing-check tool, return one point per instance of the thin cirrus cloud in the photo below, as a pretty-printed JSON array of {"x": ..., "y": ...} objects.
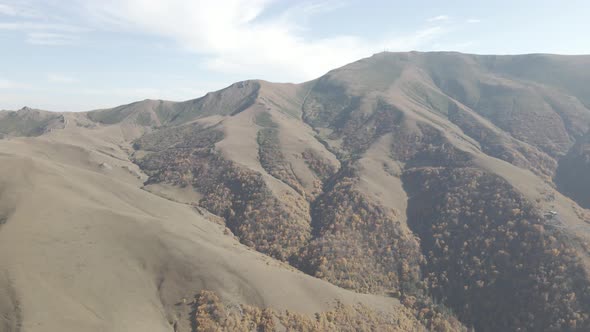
[
  {"x": 238, "y": 37},
  {"x": 37, "y": 27},
  {"x": 230, "y": 40},
  {"x": 44, "y": 33},
  {"x": 234, "y": 37}
]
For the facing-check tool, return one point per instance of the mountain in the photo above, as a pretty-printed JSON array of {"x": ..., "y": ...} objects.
[
  {"x": 29, "y": 122},
  {"x": 406, "y": 191}
]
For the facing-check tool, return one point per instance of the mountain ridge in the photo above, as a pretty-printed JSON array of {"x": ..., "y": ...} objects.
[{"x": 380, "y": 176}]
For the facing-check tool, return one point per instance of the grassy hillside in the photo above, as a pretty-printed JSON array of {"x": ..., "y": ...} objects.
[{"x": 422, "y": 178}]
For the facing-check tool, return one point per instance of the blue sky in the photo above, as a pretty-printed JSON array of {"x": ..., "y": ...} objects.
[{"x": 75, "y": 55}]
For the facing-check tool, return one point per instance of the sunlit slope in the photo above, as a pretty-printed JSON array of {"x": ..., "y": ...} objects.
[
  {"x": 84, "y": 248},
  {"x": 438, "y": 179}
]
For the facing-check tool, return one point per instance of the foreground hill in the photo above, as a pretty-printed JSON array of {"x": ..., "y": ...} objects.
[
  {"x": 83, "y": 248},
  {"x": 424, "y": 179}
]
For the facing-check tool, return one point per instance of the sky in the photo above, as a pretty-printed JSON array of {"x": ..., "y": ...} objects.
[{"x": 76, "y": 55}]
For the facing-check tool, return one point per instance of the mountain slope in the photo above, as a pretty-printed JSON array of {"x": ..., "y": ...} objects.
[
  {"x": 425, "y": 177},
  {"x": 378, "y": 121},
  {"x": 572, "y": 174},
  {"x": 83, "y": 248},
  {"x": 425, "y": 116}
]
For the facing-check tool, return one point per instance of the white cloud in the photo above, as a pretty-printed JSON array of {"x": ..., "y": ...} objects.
[
  {"x": 473, "y": 20},
  {"x": 240, "y": 37},
  {"x": 37, "y": 23},
  {"x": 61, "y": 78},
  {"x": 244, "y": 38},
  {"x": 439, "y": 18},
  {"x": 236, "y": 37}
]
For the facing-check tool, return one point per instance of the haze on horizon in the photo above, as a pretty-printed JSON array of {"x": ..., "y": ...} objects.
[{"x": 79, "y": 55}]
